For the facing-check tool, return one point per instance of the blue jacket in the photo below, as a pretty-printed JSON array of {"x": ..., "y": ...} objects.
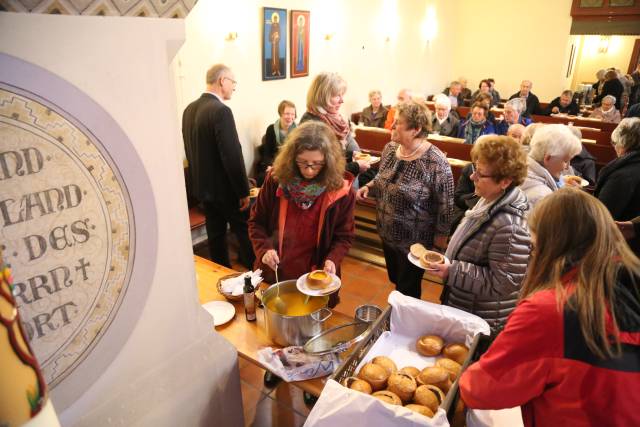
[
  {"x": 502, "y": 126},
  {"x": 487, "y": 128}
]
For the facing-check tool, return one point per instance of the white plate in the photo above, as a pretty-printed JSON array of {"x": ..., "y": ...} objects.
[
  {"x": 416, "y": 261},
  {"x": 583, "y": 182},
  {"x": 221, "y": 311},
  {"x": 301, "y": 284}
]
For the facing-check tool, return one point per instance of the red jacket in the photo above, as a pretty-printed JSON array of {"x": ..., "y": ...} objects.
[
  {"x": 336, "y": 229},
  {"x": 541, "y": 362}
]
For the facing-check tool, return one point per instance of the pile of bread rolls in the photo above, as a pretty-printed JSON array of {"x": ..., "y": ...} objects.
[{"x": 422, "y": 391}]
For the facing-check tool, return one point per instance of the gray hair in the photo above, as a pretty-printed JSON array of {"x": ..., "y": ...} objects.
[
  {"x": 442, "y": 99},
  {"x": 374, "y": 93},
  {"x": 600, "y": 74},
  {"x": 517, "y": 104},
  {"x": 610, "y": 97},
  {"x": 567, "y": 93},
  {"x": 554, "y": 140},
  {"x": 529, "y": 131},
  {"x": 216, "y": 72},
  {"x": 455, "y": 83},
  {"x": 627, "y": 134}
]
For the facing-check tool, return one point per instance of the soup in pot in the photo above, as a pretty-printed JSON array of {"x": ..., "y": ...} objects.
[{"x": 294, "y": 304}]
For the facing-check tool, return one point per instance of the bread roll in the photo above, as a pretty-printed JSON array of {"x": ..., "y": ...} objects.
[
  {"x": 426, "y": 397},
  {"x": 411, "y": 370},
  {"x": 387, "y": 396},
  {"x": 431, "y": 257},
  {"x": 429, "y": 345},
  {"x": 452, "y": 366},
  {"x": 386, "y": 363},
  {"x": 417, "y": 250},
  {"x": 456, "y": 352},
  {"x": 318, "y": 279},
  {"x": 436, "y": 376},
  {"x": 375, "y": 375},
  {"x": 404, "y": 385},
  {"x": 357, "y": 384},
  {"x": 422, "y": 410}
]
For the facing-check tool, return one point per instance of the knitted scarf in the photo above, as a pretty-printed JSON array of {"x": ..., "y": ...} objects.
[
  {"x": 472, "y": 131},
  {"x": 303, "y": 193},
  {"x": 336, "y": 122}
]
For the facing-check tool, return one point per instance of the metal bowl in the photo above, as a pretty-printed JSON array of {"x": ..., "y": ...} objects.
[{"x": 368, "y": 312}]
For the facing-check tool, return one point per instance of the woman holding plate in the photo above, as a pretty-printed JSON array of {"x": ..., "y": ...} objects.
[
  {"x": 303, "y": 217},
  {"x": 414, "y": 196},
  {"x": 490, "y": 248}
]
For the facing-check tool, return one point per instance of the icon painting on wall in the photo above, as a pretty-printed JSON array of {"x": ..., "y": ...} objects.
[
  {"x": 300, "y": 21},
  {"x": 274, "y": 43}
]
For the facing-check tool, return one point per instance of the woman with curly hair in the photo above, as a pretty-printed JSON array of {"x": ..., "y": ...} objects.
[
  {"x": 414, "y": 195},
  {"x": 303, "y": 217},
  {"x": 569, "y": 353},
  {"x": 489, "y": 250}
]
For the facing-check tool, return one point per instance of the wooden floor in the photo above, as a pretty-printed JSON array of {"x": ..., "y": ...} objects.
[{"x": 283, "y": 406}]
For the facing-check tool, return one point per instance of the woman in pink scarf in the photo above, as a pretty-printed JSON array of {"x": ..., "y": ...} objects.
[{"x": 324, "y": 99}]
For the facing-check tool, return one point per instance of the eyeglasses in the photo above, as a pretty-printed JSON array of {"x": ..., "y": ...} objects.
[
  {"x": 231, "y": 80},
  {"x": 474, "y": 171},
  {"x": 312, "y": 166}
]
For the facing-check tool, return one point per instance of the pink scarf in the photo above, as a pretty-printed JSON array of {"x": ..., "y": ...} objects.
[{"x": 336, "y": 122}]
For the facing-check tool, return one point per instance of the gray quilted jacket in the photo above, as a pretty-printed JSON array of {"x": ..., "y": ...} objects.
[{"x": 489, "y": 260}]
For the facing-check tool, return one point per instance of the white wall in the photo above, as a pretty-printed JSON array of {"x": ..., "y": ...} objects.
[
  {"x": 358, "y": 51},
  {"x": 165, "y": 373},
  {"x": 511, "y": 41}
]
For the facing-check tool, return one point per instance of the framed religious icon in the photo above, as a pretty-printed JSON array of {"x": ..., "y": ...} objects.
[
  {"x": 274, "y": 43},
  {"x": 300, "y": 43}
]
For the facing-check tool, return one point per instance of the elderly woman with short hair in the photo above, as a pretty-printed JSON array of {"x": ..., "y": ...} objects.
[
  {"x": 324, "y": 99},
  {"x": 607, "y": 111},
  {"x": 551, "y": 150},
  {"x": 414, "y": 196},
  {"x": 476, "y": 125},
  {"x": 375, "y": 114},
  {"x": 513, "y": 110},
  {"x": 618, "y": 185},
  {"x": 489, "y": 250},
  {"x": 443, "y": 121}
]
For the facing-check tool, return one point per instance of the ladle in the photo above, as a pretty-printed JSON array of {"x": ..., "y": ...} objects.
[{"x": 278, "y": 303}]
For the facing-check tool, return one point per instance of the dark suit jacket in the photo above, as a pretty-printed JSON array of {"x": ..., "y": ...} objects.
[
  {"x": 449, "y": 127},
  {"x": 216, "y": 164},
  {"x": 533, "y": 104}
]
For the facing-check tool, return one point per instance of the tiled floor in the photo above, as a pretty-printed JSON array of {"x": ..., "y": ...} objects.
[{"x": 283, "y": 406}]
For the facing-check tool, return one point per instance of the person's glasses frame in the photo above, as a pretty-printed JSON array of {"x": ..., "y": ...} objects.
[
  {"x": 312, "y": 166},
  {"x": 474, "y": 171},
  {"x": 231, "y": 80}
]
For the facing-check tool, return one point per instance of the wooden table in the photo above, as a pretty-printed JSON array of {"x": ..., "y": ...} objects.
[{"x": 249, "y": 337}]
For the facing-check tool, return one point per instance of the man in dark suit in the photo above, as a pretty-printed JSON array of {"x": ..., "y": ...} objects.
[
  {"x": 533, "y": 104},
  {"x": 216, "y": 166},
  {"x": 443, "y": 121}
]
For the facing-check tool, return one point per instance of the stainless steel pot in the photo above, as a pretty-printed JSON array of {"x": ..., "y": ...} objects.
[{"x": 287, "y": 329}]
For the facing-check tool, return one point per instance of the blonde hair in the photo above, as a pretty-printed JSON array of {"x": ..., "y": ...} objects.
[
  {"x": 571, "y": 228},
  {"x": 374, "y": 93},
  {"x": 504, "y": 155},
  {"x": 324, "y": 86},
  {"x": 311, "y": 136}
]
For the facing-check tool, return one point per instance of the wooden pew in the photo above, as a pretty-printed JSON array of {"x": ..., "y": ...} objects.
[
  {"x": 372, "y": 138},
  {"x": 577, "y": 121}
]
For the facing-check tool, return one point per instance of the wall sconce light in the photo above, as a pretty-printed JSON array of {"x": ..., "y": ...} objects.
[
  {"x": 328, "y": 36},
  {"x": 603, "y": 45},
  {"x": 231, "y": 36}
]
